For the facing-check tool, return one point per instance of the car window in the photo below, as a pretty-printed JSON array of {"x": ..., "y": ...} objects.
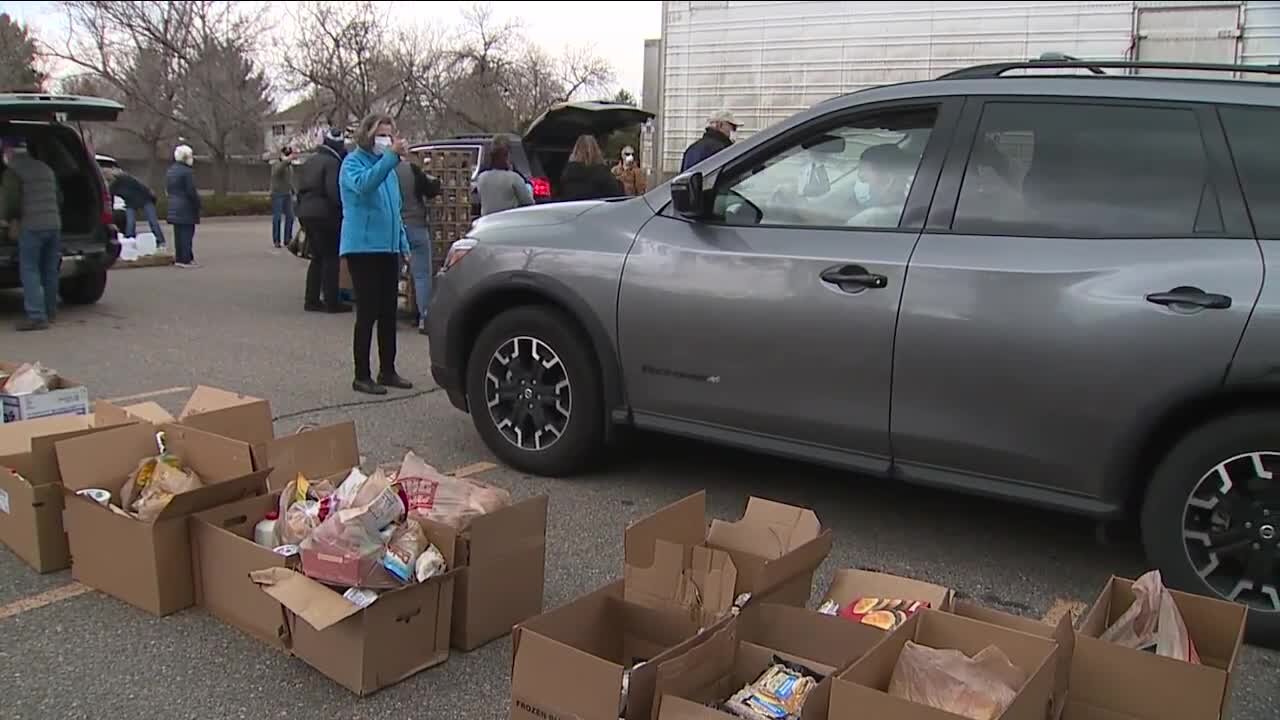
[
  {"x": 857, "y": 175},
  {"x": 1087, "y": 171},
  {"x": 1254, "y": 135}
]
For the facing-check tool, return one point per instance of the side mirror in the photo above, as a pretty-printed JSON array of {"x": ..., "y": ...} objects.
[{"x": 687, "y": 196}]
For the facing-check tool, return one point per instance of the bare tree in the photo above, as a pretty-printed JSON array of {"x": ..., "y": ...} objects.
[{"x": 19, "y": 69}]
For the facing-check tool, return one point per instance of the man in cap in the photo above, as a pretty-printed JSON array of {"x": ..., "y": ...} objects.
[
  {"x": 31, "y": 201},
  {"x": 718, "y": 136}
]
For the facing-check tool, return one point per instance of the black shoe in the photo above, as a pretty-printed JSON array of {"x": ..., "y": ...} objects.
[
  {"x": 313, "y": 307},
  {"x": 368, "y": 387},
  {"x": 395, "y": 381},
  {"x": 337, "y": 309},
  {"x": 30, "y": 325}
]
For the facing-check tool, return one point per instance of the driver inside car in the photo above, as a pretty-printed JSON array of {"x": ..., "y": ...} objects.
[{"x": 884, "y": 178}]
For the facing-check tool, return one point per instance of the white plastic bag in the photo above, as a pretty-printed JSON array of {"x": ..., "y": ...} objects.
[
  {"x": 1153, "y": 621},
  {"x": 29, "y": 378}
]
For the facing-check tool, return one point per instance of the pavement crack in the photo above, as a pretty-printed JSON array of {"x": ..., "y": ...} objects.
[{"x": 355, "y": 404}]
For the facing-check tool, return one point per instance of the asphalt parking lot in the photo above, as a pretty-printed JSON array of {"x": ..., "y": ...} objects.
[{"x": 238, "y": 323}]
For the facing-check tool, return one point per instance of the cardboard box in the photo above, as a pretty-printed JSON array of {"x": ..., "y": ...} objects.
[
  {"x": 403, "y": 632},
  {"x": 224, "y": 554},
  {"x": 849, "y": 585},
  {"x": 316, "y": 453},
  {"x": 148, "y": 412},
  {"x": 776, "y": 548},
  {"x": 862, "y": 690},
  {"x": 501, "y": 560},
  {"x": 1155, "y": 687},
  {"x": 229, "y": 414},
  {"x": 65, "y": 397},
  {"x": 148, "y": 565},
  {"x": 1062, "y": 633},
  {"x": 569, "y": 662},
  {"x": 738, "y": 654},
  {"x": 692, "y": 580},
  {"x": 30, "y": 489}
]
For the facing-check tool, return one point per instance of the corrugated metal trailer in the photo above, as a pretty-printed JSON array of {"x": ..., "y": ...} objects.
[{"x": 768, "y": 60}]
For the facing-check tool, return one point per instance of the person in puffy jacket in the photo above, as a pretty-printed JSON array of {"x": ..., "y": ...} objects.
[
  {"x": 586, "y": 176},
  {"x": 320, "y": 211},
  {"x": 184, "y": 205},
  {"x": 373, "y": 243}
]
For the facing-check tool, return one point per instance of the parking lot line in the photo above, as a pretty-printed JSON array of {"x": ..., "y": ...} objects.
[
  {"x": 49, "y": 597},
  {"x": 145, "y": 395},
  {"x": 1061, "y": 607}
]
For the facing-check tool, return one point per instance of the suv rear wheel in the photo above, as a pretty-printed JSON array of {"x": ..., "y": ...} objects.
[
  {"x": 1211, "y": 518},
  {"x": 84, "y": 289},
  {"x": 534, "y": 392}
]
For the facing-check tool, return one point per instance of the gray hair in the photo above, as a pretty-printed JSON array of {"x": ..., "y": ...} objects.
[
  {"x": 368, "y": 128},
  {"x": 184, "y": 154}
]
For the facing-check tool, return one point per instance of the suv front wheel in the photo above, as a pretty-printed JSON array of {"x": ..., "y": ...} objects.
[
  {"x": 84, "y": 289},
  {"x": 534, "y": 392},
  {"x": 1211, "y": 518}
]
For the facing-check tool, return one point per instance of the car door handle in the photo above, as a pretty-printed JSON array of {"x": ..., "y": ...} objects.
[
  {"x": 1193, "y": 296},
  {"x": 853, "y": 278}
]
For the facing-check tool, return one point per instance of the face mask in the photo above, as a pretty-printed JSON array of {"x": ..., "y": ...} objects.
[
  {"x": 382, "y": 142},
  {"x": 628, "y": 158},
  {"x": 861, "y": 192}
]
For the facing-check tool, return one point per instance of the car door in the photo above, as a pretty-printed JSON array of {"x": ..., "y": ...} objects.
[
  {"x": 1086, "y": 265},
  {"x": 770, "y": 323}
]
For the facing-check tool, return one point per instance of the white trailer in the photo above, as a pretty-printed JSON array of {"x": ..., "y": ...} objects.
[{"x": 766, "y": 61}]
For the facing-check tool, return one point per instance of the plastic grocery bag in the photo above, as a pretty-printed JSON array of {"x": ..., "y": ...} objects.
[
  {"x": 1153, "y": 622},
  {"x": 154, "y": 483},
  {"x": 29, "y": 378},
  {"x": 981, "y": 687},
  {"x": 441, "y": 498},
  {"x": 342, "y": 553},
  {"x": 303, "y": 505}
]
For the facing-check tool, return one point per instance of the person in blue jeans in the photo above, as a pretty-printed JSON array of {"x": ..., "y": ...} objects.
[
  {"x": 417, "y": 188},
  {"x": 184, "y": 205},
  {"x": 137, "y": 197},
  {"x": 282, "y": 198},
  {"x": 31, "y": 201}
]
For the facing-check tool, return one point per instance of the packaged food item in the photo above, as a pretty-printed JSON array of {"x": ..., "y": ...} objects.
[
  {"x": 360, "y": 597},
  {"x": 830, "y": 607},
  {"x": 778, "y": 694},
  {"x": 98, "y": 495},
  {"x": 154, "y": 483},
  {"x": 29, "y": 378},
  {"x": 442, "y": 498},
  {"x": 1153, "y": 622},
  {"x": 883, "y": 613},
  {"x": 342, "y": 553},
  {"x": 264, "y": 533},
  {"x": 980, "y": 688},
  {"x": 406, "y": 546},
  {"x": 429, "y": 564},
  {"x": 375, "y": 503}
]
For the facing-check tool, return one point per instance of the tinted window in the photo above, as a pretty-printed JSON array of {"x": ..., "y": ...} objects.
[
  {"x": 1254, "y": 135},
  {"x": 857, "y": 176},
  {"x": 1088, "y": 171}
]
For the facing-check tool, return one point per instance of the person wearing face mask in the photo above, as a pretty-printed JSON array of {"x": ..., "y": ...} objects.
[
  {"x": 884, "y": 178},
  {"x": 719, "y": 135},
  {"x": 373, "y": 243},
  {"x": 629, "y": 173}
]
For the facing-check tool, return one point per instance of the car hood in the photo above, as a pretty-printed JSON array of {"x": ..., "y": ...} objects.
[
  {"x": 535, "y": 215},
  {"x": 561, "y": 125}
]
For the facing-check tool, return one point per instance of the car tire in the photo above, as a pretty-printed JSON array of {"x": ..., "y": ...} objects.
[
  {"x": 1187, "y": 499},
  {"x": 84, "y": 289},
  {"x": 572, "y": 416}
]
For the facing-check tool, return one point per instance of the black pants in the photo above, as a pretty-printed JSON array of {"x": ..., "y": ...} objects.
[
  {"x": 376, "y": 277},
  {"x": 322, "y": 273}
]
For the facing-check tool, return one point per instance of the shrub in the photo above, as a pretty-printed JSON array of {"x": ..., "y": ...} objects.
[{"x": 230, "y": 205}]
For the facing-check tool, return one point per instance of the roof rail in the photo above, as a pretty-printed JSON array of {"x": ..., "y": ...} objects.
[{"x": 995, "y": 70}]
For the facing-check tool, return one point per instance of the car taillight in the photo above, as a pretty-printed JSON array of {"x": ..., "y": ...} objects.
[
  {"x": 541, "y": 188},
  {"x": 107, "y": 217},
  {"x": 457, "y": 251}
]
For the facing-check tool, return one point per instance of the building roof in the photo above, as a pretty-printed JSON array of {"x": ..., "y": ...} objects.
[{"x": 301, "y": 112}]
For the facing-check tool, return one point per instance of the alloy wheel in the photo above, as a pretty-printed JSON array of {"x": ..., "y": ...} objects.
[
  {"x": 528, "y": 393},
  {"x": 1231, "y": 529}
]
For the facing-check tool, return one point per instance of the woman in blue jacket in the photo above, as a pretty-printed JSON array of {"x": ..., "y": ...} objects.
[{"x": 373, "y": 241}]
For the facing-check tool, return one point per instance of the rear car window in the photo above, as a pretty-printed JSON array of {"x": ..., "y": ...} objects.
[
  {"x": 1254, "y": 136},
  {"x": 1087, "y": 171}
]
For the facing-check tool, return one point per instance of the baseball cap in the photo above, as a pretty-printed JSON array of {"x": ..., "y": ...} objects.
[{"x": 723, "y": 116}]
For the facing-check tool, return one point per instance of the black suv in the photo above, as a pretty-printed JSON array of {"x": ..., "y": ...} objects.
[{"x": 89, "y": 243}]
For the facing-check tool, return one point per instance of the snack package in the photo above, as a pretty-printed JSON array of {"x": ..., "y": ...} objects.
[
  {"x": 441, "y": 498},
  {"x": 29, "y": 378},
  {"x": 981, "y": 687},
  {"x": 883, "y": 613},
  {"x": 154, "y": 483},
  {"x": 374, "y": 502},
  {"x": 778, "y": 694},
  {"x": 429, "y": 564},
  {"x": 360, "y": 597},
  {"x": 407, "y": 544},
  {"x": 342, "y": 552},
  {"x": 1153, "y": 622}
]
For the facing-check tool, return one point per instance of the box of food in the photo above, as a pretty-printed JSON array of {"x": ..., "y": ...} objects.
[{"x": 59, "y": 396}]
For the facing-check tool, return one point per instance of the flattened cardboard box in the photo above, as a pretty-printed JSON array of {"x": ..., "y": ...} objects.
[
  {"x": 775, "y": 547},
  {"x": 728, "y": 661},
  {"x": 148, "y": 565},
  {"x": 402, "y": 633},
  {"x": 1155, "y": 687},
  {"x": 65, "y": 397},
  {"x": 862, "y": 690},
  {"x": 501, "y": 571},
  {"x": 31, "y": 491},
  {"x": 569, "y": 662},
  {"x": 1062, "y": 633}
]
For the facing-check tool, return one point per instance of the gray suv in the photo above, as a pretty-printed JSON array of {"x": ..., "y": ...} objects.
[{"x": 1016, "y": 280}]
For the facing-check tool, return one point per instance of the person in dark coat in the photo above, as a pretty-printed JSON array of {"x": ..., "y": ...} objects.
[
  {"x": 320, "y": 210},
  {"x": 137, "y": 196},
  {"x": 184, "y": 205},
  {"x": 586, "y": 176},
  {"x": 718, "y": 136},
  {"x": 31, "y": 204}
]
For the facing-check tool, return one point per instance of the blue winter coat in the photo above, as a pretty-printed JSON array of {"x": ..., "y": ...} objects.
[
  {"x": 371, "y": 204},
  {"x": 184, "y": 200}
]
